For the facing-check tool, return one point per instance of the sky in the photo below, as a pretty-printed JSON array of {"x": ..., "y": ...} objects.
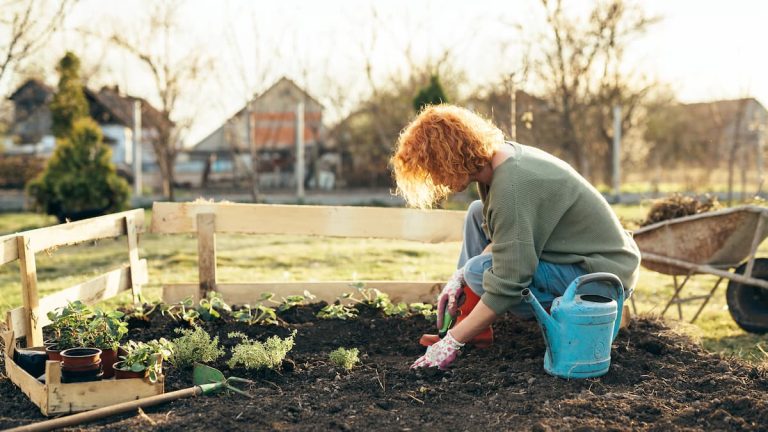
[{"x": 704, "y": 50}]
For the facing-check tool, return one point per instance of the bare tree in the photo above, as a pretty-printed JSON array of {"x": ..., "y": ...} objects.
[
  {"x": 25, "y": 27},
  {"x": 174, "y": 74},
  {"x": 580, "y": 64}
]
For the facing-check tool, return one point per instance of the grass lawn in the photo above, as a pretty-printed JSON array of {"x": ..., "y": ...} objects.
[{"x": 173, "y": 259}]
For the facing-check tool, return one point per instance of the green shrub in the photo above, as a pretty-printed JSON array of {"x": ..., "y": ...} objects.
[
  {"x": 257, "y": 355},
  {"x": 195, "y": 346},
  {"x": 80, "y": 180},
  {"x": 345, "y": 358}
]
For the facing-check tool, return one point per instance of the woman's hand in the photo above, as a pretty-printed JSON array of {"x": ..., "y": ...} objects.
[
  {"x": 448, "y": 296},
  {"x": 440, "y": 354}
]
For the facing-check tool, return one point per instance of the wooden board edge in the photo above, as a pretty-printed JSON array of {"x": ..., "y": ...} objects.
[
  {"x": 429, "y": 226},
  {"x": 78, "y": 397},
  {"x": 241, "y": 293},
  {"x": 102, "y": 287},
  {"x": 29, "y": 385}
]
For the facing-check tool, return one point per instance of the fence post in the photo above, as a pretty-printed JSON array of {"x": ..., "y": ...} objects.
[
  {"x": 29, "y": 292},
  {"x": 133, "y": 255},
  {"x": 206, "y": 252}
]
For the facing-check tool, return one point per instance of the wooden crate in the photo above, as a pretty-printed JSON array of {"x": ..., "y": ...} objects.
[
  {"x": 55, "y": 397},
  {"x": 27, "y": 321}
]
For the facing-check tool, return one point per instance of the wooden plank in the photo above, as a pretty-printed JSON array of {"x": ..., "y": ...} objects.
[
  {"x": 133, "y": 256},
  {"x": 28, "y": 384},
  {"x": 101, "y": 227},
  {"x": 76, "y": 397},
  {"x": 16, "y": 319},
  {"x": 433, "y": 226},
  {"x": 8, "y": 249},
  {"x": 94, "y": 290},
  {"x": 33, "y": 327},
  {"x": 206, "y": 252},
  {"x": 241, "y": 293}
]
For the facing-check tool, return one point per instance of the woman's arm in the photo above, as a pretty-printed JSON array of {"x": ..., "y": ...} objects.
[{"x": 478, "y": 320}]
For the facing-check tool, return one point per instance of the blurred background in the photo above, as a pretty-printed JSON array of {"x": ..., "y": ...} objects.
[{"x": 260, "y": 101}]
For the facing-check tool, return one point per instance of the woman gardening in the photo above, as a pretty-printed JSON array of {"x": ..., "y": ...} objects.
[{"x": 538, "y": 225}]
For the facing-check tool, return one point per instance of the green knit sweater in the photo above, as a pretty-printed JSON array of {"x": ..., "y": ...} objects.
[{"x": 539, "y": 208}]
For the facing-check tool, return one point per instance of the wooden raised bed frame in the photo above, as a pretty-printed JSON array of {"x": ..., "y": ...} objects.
[
  {"x": 208, "y": 219},
  {"x": 27, "y": 321}
]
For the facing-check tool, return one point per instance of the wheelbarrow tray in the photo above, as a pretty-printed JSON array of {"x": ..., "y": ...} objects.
[{"x": 722, "y": 239}]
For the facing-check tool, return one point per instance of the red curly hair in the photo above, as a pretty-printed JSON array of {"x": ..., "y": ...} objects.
[{"x": 439, "y": 150}]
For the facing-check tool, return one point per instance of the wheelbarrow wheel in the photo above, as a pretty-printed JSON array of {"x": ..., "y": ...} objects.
[{"x": 748, "y": 304}]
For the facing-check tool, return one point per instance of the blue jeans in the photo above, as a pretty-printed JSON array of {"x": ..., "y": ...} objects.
[{"x": 549, "y": 281}]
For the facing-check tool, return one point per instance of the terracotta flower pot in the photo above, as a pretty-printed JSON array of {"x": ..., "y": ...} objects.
[
  {"x": 127, "y": 374},
  {"x": 79, "y": 357},
  {"x": 108, "y": 359},
  {"x": 53, "y": 352}
]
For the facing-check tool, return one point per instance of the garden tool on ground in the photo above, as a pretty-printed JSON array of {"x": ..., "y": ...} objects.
[
  {"x": 207, "y": 380},
  {"x": 466, "y": 301}
]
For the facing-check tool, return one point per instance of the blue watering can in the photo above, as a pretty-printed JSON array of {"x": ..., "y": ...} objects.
[{"x": 581, "y": 328}]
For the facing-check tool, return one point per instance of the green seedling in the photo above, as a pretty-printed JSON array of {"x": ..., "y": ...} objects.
[
  {"x": 337, "y": 311},
  {"x": 146, "y": 357},
  {"x": 345, "y": 358},
  {"x": 145, "y": 309},
  {"x": 428, "y": 311},
  {"x": 287, "y": 302},
  {"x": 208, "y": 308},
  {"x": 183, "y": 310},
  {"x": 259, "y": 315},
  {"x": 260, "y": 355}
]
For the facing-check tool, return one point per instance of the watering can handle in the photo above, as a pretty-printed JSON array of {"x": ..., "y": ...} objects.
[{"x": 570, "y": 292}]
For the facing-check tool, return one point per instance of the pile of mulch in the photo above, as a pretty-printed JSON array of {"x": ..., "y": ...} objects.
[
  {"x": 676, "y": 205},
  {"x": 659, "y": 380}
]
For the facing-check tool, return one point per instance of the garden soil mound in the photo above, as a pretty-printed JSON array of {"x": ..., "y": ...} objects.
[{"x": 659, "y": 380}]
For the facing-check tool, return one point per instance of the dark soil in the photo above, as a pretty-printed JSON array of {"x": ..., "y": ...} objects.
[{"x": 658, "y": 381}]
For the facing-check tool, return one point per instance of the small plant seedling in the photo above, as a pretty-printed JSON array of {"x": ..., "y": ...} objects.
[
  {"x": 426, "y": 310},
  {"x": 259, "y": 315},
  {"x": 288, "y": 302},
  {"x": 260, "y": 355},
  {"x": 145, "y": 309},
  {"x": 146, "y": 356},
  {"x": 194, "y": 346},
  {"x": 345, "y": 358},
  {"x": 337, "y": 311},
  {"x": 208, "y": 308},
  {"x": 183, "y": 310}
]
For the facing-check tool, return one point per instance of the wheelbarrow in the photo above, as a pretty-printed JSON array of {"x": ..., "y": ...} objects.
[{"x": 722, "y": 243}]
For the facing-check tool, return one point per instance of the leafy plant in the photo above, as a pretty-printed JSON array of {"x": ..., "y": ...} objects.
[
  {"x": 145, "y": 309},
  {"x": 194, "y": 345},
  {"x": 146, "y": 356},
  {"x": 257, "y": 355},
  {"x": 259, "y": 315},
  {"x": 184, "y": 310},
  {"x": 105, "y": 330},
  {"x": 376, "y": 299},
  {"x": 207, "y": 308},
  {"x": 70, "y": 323},
  {"x": 337, "y": 311},
  {"x": 288, "y": 302},
  {"x": 428, "y": 311},
  {"x": 345, "y": 358}
]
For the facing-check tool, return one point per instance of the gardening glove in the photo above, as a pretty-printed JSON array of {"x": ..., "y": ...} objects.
[
  {"x": 440, "y": 354},
  {"x": 448, "y": 296}
]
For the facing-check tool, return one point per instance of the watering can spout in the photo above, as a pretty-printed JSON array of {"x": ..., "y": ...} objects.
[{"x": 548, "y": 324}]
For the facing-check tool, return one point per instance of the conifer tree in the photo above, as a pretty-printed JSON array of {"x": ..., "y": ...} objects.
[
  {"x": 430, "y": 95},
  {"x": 80, "y": 180}
]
